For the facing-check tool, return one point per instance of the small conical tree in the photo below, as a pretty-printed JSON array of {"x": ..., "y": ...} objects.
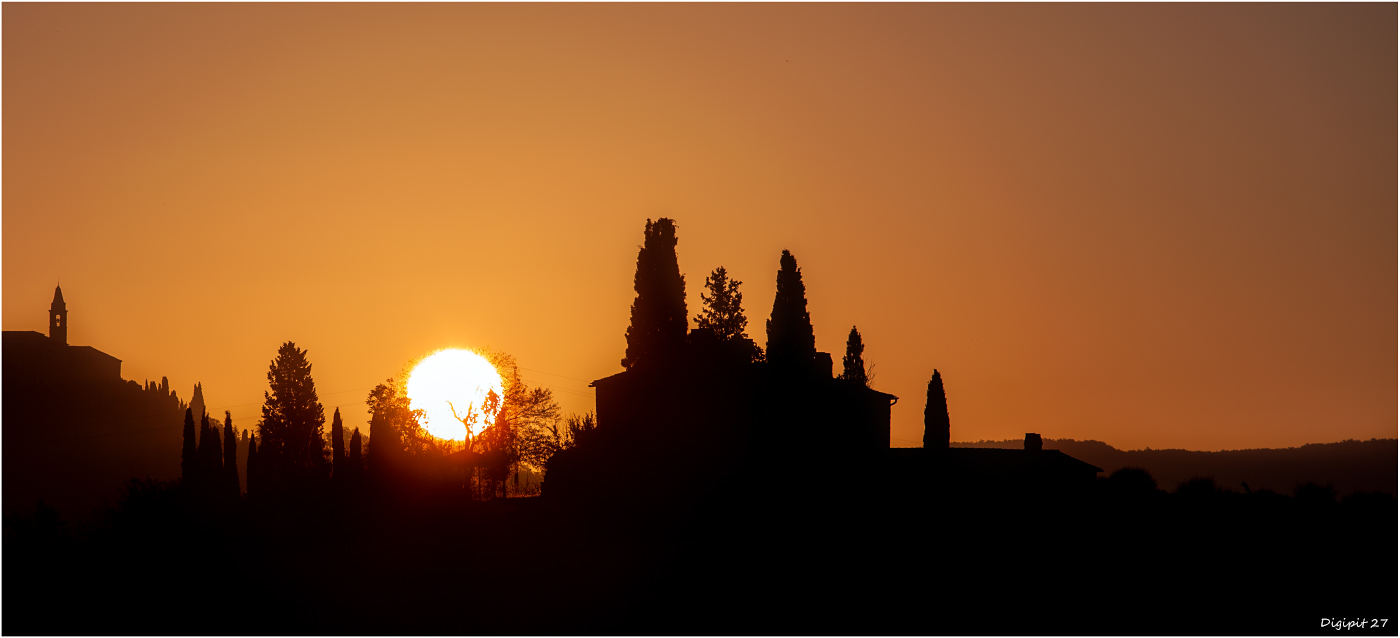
[
  {"x": 252, "y": 464},
  {"x": 853, "y": 365},
  {"x": 357, "y": 459},
  {"x": 658, "y": 324},
  {"x": 337, "y": 447},
  {"x": 216, "y": 457},
  {"x": 937, "y": 426},
  {"x": 723, "y": 311},
  {"x": 206, "y": 474},
  {"x": 790, "y": 338},
  {"x": 189, "y": 453},
  {"x": 231, "y": 485}
]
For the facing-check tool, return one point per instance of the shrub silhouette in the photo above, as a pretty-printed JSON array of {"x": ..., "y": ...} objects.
[
  {"x": 1132, "y": 480},
  {"x": 1198, "y": 487},
  {"x": 1312, "y": 494}
]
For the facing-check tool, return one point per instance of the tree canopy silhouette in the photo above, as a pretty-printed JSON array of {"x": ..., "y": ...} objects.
[
  {"x": 292, "y": 421},
  {"x": 252, "y": 478},
  {"x": 658, "y": 324},
  {"x": 230, "y": 477},
  {"x": 852, "y": 365},
  {"x": 337, "y": 447},
  {"x": 937, "y": 426},
  {"x": 790, "y": 338},
  {"x": 210, "y": 452},
  {"x": 356, "y": 460},
  {"x": 723, "y": 312}
]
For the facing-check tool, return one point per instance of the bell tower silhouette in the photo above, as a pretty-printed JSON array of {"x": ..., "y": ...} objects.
[{"x": 58, "y": 318}]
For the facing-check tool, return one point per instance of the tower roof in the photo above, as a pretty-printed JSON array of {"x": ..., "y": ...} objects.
[{"x": 58, "y": 296}]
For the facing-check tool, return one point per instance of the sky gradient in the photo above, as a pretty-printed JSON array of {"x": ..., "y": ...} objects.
[{"x": 1151, "y": 225}]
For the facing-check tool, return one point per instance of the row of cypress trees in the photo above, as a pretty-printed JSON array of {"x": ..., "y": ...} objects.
[
  {"x": 658, "y": 321},
  {"x": 658, "y": 326},
  {"x": 209, "y": 458},
  {"x": 289, "y": 449}
]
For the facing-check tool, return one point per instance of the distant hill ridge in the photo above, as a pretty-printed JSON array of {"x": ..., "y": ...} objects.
[{"x": 1350, "y": 465}]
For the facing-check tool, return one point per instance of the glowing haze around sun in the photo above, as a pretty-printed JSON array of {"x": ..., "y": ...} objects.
[{"x": 449, "y": 379}]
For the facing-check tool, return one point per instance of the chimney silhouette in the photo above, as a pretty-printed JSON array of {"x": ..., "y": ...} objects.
[
  {"x": 1032, "y": 442},
  {"x": 58, "y": 318}
]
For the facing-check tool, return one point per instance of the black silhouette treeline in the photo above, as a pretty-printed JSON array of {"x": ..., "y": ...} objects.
[{"x": 720, "y": 488}]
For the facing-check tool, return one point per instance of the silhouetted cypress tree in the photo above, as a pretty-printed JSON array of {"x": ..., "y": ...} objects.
[
  {"x": 230, "y": 457},
  {"x": 197, "y": 401},
  {"x": 357, "y": 460},
  {"x": 937, "y": 426},
  {"x": 210, "y": 463},
  {"x": 189, "y": 454},
  {"x": 216, "y": 457},
  {"x": 790, "y": 339},
  {"x": 337, "y": 447},
  {"x": 852, "y": 365},
  {"x": 292, "y": 420},
  {"x": 658, "y": 314},
  {"x": 252, "y": 464},
  {"x": 723, "y": 312}
]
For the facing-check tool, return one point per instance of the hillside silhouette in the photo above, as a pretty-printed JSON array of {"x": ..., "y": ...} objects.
[
  {"x": 1349, "y": 466},
  {"x": 719, "y": 488},
  {"x": 74, "y": 430}
]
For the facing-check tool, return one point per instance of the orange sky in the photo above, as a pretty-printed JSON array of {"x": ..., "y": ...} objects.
[{"x": 1152, "y": 225}]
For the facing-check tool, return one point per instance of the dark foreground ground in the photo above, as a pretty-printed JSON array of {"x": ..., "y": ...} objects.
[{"x": 1118, "y": 560}]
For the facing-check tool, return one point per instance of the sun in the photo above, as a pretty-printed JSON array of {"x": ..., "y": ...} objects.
[{"x": 448, "y": 380}]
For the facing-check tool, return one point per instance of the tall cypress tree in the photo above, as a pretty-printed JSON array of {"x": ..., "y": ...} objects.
[
  {"x": 216, "y": 458},
  {"x": 357, "y": 459},
  {"x": 853, "y": 365},
  {"x": 230, "y": 458},
  {"x": 252, "y": 464},
  {"x": 937, "y": 426},
  {"x": 206, "y": 474},
  {"x": 337, "y": 447},
  {"x": 790, "y": 338},
  {"x": 658, "y": 325},
  {"x": 189, "y": 453}
]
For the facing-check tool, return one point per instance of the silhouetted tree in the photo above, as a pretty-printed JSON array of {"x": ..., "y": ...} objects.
[
  {"x": 337, "y": 447},
  {"x": 790, "y": 338},
  {"x": 723, "y": 312},
  {"x": 937, "y": 426},
  {"x": 252, "y": 465},
  {"x": 658, "y": 325},
  {"x": 292, "y": 421},
  {"x": 394, "y": 430},
  {"x": 211, "y": 454},
  {"x": 852, "y": 365},
  {"x": 357, "y": 461},
  {"x": 189, "y": 454},
  {"x": 197, "y": 401},
  {"x": 231, "y": 485}
]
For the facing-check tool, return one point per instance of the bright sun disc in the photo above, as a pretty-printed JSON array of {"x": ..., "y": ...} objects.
[{"x": 452, "y": 379}]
